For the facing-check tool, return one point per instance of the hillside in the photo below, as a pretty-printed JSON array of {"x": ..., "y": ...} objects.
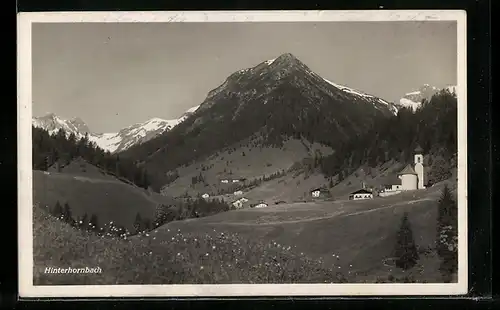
[
  {"x": 87, "y": 190},
  {"x": 271, "y": 101},
  {"x": 57, "y": 150},
  {"x": 167, "y": 259},
  {"x": 240, "y": 164},
  {"x": 299, "y": 243}
]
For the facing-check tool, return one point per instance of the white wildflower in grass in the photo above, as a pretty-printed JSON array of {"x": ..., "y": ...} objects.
[
  {"x": 168, "y": 230},
  {"x": 154, "y": 238},
  {"x": 80, "y": 222},
  {"x": 147, "y": 235},
  {"x": 201, "y": 267},
  {"x": 206, "y": 254},
  {"x": 150, "y": 252},
  {"x": 213, "y": 247},
  {"x": 156, "y": 231},
  {"x": 178, "y": 254},
  {"x": 184, "y": 239},
  {"x": 173, "y": 238}
]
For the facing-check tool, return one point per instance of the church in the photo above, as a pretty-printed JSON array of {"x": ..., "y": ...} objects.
[{"x": 410, "y": 178}]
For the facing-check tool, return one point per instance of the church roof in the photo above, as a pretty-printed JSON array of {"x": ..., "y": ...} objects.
[
  {"x": 408, "y": 170},
  {"x": 418, "y": 149}
]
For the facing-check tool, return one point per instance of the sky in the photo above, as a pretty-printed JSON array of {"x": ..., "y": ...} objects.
[{"x": 112, "y": 75}]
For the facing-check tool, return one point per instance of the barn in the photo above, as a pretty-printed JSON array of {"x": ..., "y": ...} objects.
[{"x": 361, "y": 194}]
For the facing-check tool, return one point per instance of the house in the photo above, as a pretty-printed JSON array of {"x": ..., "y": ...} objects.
[
  {"x": 261, "y": 205},
  {"x": 205, "y": 196},
  {"x": 361, "y": 194},
  {"x": 392, "y": 186},
  {"x": 224, "y": 181},
  {"x": 238, "y": 204},
  {"x": 237, "y": 193},
  {"x": 319, "y": 192},
  {"x": 236, "y": 181}
]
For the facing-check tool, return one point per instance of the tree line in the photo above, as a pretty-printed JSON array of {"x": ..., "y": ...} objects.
[
  {"x": 84, "y": 222},
  {"x": 191, "y": 208},
  {"x": 62, "y": 148},
  {"x": 433, "y": 126}
]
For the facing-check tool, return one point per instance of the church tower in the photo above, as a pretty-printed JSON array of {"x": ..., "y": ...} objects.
[{"x": 419, "y": 167}]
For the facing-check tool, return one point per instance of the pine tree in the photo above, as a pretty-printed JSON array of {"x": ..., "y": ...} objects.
[
  {"x": 67, "y": 216},
  {"x": 447, "y": 233},
  {"x": 406, "y": 253},
  {"x": 93, "y": 223},
  {"x": 58, "y": 210},
  {"x": 138, "y": 224},
  {"x": 147, "y": 224}
]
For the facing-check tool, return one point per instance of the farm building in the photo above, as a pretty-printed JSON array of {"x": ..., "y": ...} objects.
[
  {"x": 205, "y": 196},
  {"x": 261, "y": 205},
  {"x": 392, "y": 186},
  {"x": 224, "y": 181},
  {"x": 238, "y": 204},
  {"x": 319, "y": 192},
  {"x": 361, "y": 194}
]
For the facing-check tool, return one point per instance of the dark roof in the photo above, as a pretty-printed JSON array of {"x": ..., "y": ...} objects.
[
  {"x": 319, "y": 189},
  {"x": 361, "y": 191},
  {"x": 418, "y": 149},
  {"x": 392, "y": 180},
  {"x": 408, "y": 170}
]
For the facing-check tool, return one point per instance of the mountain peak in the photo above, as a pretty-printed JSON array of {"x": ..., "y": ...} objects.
[{"x": 288, "y": 58}]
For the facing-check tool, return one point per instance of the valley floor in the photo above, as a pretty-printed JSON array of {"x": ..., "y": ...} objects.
[{"x": 314, "y": 242}]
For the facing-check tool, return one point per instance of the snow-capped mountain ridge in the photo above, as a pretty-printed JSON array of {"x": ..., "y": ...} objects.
[
  {"x": 414, "y": 98},
  {"x": 112, "y": 142},
  {"x": 287, "y": 65}
]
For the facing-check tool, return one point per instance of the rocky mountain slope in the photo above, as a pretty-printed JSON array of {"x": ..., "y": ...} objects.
[
  {"x": 269, "y": 103},
  {"x": 414, "y": 99},
  {"x": 112, "y": 142}
]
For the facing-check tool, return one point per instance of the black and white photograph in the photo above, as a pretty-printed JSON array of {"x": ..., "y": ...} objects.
[{"x": 242, "y": 153}]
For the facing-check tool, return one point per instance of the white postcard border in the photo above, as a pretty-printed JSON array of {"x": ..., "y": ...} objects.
[{"x": 25, "y": 211}]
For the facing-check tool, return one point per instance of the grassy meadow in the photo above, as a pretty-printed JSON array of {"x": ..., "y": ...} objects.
[{"x": 317, "y": 242}]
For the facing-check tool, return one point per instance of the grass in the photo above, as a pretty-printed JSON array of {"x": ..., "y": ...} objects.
[
  {"x": 108, "y": 198},
  {"x": 174, "y": 258},
  {"x": 341, "y": 241}
]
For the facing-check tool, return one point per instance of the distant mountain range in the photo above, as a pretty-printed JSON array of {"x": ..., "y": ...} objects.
[
  {"x": 112, "y": 142},
  {"x": 277, "y": 93},
  {"x": 414, "y": 99}
]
